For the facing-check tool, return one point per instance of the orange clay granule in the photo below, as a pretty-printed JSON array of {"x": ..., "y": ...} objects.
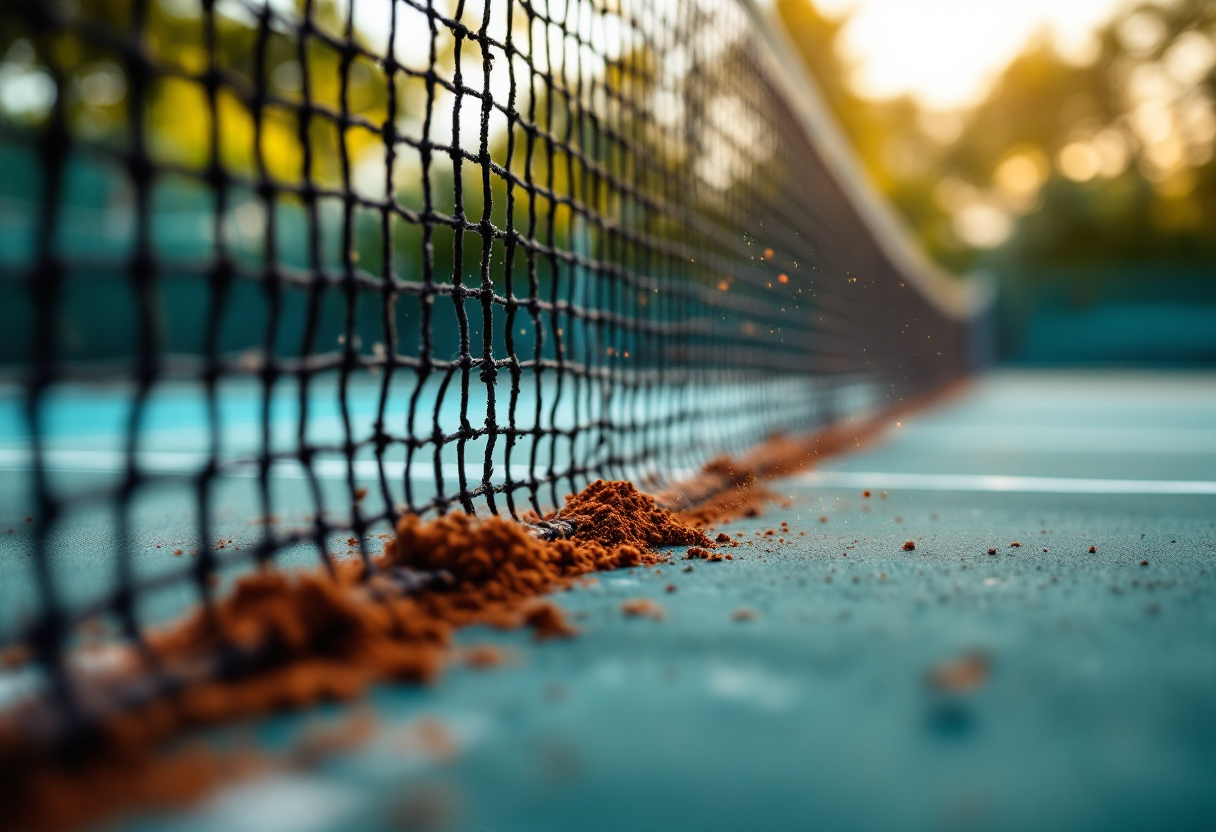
[
  {"x": 482, "y": 656},
  {"x": 642, "y": 608},
  {"x": 14, "y": 657},
  {"x": 960, "y": 675},
  {"x": 548, "y": 621},
  {"x": 304, "y": 637},
  {"x": 909, "y": 546}
]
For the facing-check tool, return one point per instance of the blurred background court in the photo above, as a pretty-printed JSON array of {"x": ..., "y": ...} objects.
[{"x": 269, "y": 255}]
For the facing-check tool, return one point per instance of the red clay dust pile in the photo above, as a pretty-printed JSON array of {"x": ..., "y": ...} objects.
[{"x": 305, "y": 637}]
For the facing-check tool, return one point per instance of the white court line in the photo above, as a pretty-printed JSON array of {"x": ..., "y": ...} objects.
[{"x": 1001, "y": 483}]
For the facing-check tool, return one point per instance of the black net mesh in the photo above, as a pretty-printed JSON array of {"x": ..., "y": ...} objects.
[{"x": 298, "y": 266}]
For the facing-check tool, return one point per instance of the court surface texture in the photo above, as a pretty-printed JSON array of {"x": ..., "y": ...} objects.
[{"x": 794, "y": 687}]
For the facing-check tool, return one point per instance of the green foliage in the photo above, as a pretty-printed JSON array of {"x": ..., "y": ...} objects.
[{"x": 1152, "y": 197}]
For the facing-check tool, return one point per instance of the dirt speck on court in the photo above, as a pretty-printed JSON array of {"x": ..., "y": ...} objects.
[
  {"x": 964, "y": 674},
  {"x": 643, "y": 608}
]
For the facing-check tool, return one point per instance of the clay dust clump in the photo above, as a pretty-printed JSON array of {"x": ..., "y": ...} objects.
[
  {"x": 548, "y": 621},
  {"x": 617, "y": 514},
  {"x": 302, "y": 637}
]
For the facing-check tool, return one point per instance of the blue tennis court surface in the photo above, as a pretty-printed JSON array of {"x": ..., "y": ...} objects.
[{"x": 1098, "y": 709}]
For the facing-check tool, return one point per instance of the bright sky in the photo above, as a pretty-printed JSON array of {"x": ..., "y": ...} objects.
[{"x": 946, "y": 52}]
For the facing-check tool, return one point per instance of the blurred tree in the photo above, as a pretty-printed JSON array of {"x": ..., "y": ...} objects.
[{"x": 1077, "y": 184}]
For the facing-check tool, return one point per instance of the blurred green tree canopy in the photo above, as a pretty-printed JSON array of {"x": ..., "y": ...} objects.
[{"x": 1106, "y": 162}]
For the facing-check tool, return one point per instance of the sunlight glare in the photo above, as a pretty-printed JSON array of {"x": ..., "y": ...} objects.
[{"x": 947, "y": 52}]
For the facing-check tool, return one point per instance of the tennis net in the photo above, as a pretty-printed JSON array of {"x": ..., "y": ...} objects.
[{"x": 310, "y": 264}]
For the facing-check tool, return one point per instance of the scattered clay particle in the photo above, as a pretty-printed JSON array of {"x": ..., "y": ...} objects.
[
  {"x": 360, "y": 493},
  {"x": 823, "y": 519},
  {"x": 730, "y": 557},
  {"x": 430, "y": 736},
  {"x": 1093, "y": 550},
  {"x": 687, "y": 569},
  {"x": 14, "y": 657},
  {"x": 93, "y": 627},
  {"x": 744, "y": 614},
  {"x": 482, "y": 656},
  {"x": 909, "y": 545},
  {"x": 643, "y": 608},
  {"x": 1144, "y": 563},
  {"x": 1015, "y": 545},
  {"x": 697, "y": 552},
  {"x": 670, "y": 587},
  {"x": 865, "y": 493},
  {"x": 723, "y": 537},
  {"x": 548, "y": 621},
  {"x": 961, "y": 675},
  {"x": 177, "y": 551},
  {"x": 992, "y": 551}
]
